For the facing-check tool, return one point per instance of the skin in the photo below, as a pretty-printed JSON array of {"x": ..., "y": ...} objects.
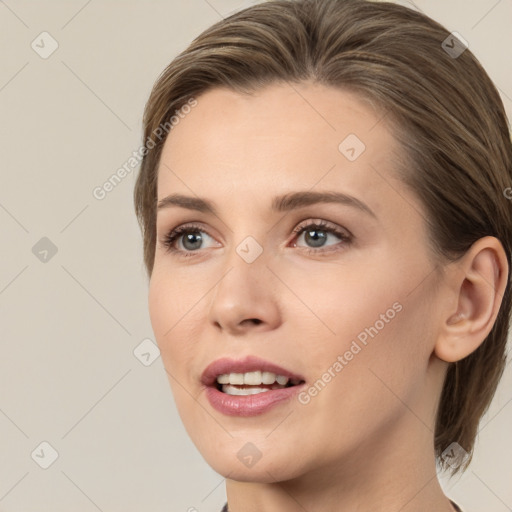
[{"x": 365, "y": 441}]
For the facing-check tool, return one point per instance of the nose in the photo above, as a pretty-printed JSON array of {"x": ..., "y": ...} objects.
[{"x": 245, "y": 298}]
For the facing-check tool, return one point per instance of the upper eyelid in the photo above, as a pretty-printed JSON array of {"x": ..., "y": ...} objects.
[{"x": 302, "y": 224}]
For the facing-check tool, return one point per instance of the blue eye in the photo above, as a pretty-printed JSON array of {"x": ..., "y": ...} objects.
[
  {"x": 316, "y": 233},
  {"x": 189, "y": 234}
]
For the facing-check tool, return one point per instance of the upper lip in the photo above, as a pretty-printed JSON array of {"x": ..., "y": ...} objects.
[{"x": 247, "y": 364}]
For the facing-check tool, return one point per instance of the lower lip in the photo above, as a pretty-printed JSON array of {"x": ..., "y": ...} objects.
[{"x": 249, "y": 405}]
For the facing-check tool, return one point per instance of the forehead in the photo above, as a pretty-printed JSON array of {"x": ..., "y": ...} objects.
[{"x": 283, "y": 137}]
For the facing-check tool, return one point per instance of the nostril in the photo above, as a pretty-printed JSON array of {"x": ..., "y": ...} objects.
[{"x": 255, "y": 321}]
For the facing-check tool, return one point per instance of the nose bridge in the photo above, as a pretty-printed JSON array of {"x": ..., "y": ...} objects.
[
  {"x": 245, "y": 266},
  {"x": 245, "y": 291},
  {"x": 246, "y": 240},
  {"x": 250, "y": 250}
]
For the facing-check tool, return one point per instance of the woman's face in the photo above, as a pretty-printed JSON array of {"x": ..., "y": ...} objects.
[{"x": 349, "y": 306}]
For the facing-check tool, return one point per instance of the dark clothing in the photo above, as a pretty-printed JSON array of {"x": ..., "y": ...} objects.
[{"x": 225, "y": 508}]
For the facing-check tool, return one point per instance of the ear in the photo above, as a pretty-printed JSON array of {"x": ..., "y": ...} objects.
[{"x": 478, "y": 281}]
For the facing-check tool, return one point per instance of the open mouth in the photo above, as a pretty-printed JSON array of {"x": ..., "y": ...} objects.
[{"x": 252, "y": 383}]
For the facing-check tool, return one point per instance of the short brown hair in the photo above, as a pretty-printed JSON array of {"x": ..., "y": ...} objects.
[{"x": 445, "y": 112}]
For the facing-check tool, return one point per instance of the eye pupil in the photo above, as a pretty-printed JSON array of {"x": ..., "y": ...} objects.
[
  {"x": 191, "y": 238},
  {"x": 317, "y": 239}
]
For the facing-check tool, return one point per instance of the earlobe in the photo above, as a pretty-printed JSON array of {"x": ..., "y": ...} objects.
[{"x": 479, "y": 281}]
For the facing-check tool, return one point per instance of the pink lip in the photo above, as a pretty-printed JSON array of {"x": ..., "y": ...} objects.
[
  {"x": 248, "y": 364},
  {"x": 249, "y": 405}
]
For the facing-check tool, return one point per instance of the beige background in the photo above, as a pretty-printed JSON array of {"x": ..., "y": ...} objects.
[{"x": 69, "y": 326}]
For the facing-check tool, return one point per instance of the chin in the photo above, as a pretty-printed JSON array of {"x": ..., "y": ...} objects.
[{"x": 262, "y": 471}]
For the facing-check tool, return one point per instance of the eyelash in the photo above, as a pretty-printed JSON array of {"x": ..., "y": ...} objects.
[{"x": 169, "y": 239}]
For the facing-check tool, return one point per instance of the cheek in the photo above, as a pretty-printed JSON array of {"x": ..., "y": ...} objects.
[
  {"x": 173, "y": 297},
  {"x": 341, "y": 307},
  {"x": 173, "y": 309},
  {"x": 365, "y": 327},
  {"x": 161, "y": 305},
  {"x": 378, "y": 370}
]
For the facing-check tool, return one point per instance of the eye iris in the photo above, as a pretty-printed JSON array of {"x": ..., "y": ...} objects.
[
  {"x": 191, "y": 237},
  {"x": 317, "y": 239}
]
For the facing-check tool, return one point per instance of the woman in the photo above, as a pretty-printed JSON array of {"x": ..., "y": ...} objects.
[{"x": 328, "y": 241}]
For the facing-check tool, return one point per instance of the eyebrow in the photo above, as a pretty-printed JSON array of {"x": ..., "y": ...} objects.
[{"x": 284, "y": 203}]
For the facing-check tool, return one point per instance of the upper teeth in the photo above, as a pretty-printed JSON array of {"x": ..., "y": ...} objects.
[{"x": 252, "y": 378}]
